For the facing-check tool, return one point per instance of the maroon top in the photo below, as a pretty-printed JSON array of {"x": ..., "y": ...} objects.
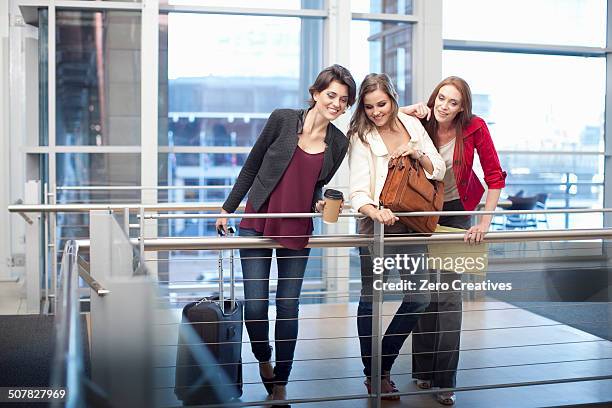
[{"x": 292, "y": 194}]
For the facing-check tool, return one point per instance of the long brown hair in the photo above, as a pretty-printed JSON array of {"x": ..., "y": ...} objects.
[
  {"x": 461, "y": 121},
  {"x": 361, "y": 125}
]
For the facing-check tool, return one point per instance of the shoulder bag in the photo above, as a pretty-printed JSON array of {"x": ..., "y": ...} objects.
[{"x": 407, "y": 189}]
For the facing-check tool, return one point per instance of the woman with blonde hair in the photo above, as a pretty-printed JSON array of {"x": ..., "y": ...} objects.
[{"x": 379, "y": 132}]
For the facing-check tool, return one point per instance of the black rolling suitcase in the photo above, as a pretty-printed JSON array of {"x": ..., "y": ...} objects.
[{"x": 209, "y": 362}]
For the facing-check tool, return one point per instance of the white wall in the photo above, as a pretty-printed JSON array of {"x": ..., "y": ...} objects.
[{"x": 4, "y": 141}]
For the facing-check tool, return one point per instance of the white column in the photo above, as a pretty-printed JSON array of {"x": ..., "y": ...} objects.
[
  {"x": 607, "y": 218},
  {"x": 337, "y": 51},
  {"x": 337, "y": 33},
  {"x": 149, "y": 106},
  {"x": 19, "y": 120},
  {"x": 427, "y": 48},
  {"x": 5, "y": 238},
  {"x": 18, "y": 128},
  {"x": 52, "y": 167}
]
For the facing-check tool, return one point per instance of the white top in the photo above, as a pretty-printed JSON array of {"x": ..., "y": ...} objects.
[
  {"x": 368, "y": 164},
  {"x": 450, "y": 184}
]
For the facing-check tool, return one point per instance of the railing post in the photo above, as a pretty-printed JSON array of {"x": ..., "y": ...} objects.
[
  {"x": 378, "y": 250},
  {"x": 336, "y": 263},
  {"x": 126, "y": 221},
  {"x": 568, "y": 186},
  {"x": 33, "y": 252}
]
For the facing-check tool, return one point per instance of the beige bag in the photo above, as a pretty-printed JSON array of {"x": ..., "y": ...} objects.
[{"x": 459, "y": 257}]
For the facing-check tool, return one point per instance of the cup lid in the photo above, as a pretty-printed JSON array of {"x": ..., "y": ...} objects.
[{"x": 333, "y": 194}]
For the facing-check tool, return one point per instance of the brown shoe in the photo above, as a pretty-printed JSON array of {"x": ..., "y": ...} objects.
[
  {"x": 279, "y": 393},
  {"x": 386, "y": 387}
]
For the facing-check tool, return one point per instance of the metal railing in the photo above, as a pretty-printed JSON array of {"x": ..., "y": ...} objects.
[
  {"x": 69, "y": 356},
  {"x": 48, "y": 214},
  {"x": 69, "y": 374},
  {"x": 378, "y": 242},
  {"x": 168, "y": 207}
]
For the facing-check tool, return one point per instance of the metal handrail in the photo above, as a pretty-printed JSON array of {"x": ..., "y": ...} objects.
[
  {"x": 138, "y": 188},
  {"x": 399, "y": 214},
  {"x": 228, "y": 186},
  {"x": 69, "y": 367},
  {"x": 57, "y": 208},
  {"x": 330, "y": 241},
  {"x": 134, "y": 207},
  {"x": 88, "y": 279}
]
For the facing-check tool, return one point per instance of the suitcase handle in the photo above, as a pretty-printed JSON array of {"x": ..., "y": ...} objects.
[{"x": 230, "y": 232}]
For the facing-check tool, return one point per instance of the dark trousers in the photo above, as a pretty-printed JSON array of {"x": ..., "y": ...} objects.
[
  {"x": 256, "y": 272},
  {"x": 437, "y": 336},
  {"x": 413, "y": 303}
]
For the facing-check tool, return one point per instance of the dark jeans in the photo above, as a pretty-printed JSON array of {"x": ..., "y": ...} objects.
[
  {"x": 406, "y": 316},
  {"x": 256, "y": 272},
  {"x": 437, "y": 335}
]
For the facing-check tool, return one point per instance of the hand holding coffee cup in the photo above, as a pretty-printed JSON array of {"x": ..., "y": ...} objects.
[
  {"x": 321, "y": 204},
  {"x": 333, "y": 200}
]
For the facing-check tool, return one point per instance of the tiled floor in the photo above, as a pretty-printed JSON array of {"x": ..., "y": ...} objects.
[
  {"x": 327, "y": 358},
  {"x": 501, "y": 344},
  {"x": 492, "y": 354}
]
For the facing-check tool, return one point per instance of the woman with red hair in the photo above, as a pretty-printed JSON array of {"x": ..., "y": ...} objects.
[{"x": 457, "y": 133}]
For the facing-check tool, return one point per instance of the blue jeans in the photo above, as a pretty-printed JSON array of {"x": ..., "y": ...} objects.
[
  {"x": 406, "y": 317},
  {"x": 256, "y": 272}
]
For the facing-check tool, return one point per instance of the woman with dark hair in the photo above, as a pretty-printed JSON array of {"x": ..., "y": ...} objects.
[
  {"x": 296, "y": 154},
  {"x": 378, "y": 132},
  {"x": 457, "y": 133}
]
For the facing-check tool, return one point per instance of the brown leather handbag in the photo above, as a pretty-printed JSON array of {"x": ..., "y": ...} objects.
[{"x": 407, "y": 189}]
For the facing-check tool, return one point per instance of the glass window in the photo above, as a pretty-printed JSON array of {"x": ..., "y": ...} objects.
[
  {"x": 221, "y": 96},
  {"x": 263, "y": 4},
  {"x": 383, "y": 47},
  {"x": 98, "y": 77},
  {"x": 93, "y": 169},
  {"x": 247, "y": 67},
  {"x": 529, "y": 104},
  {"x": 567, "y": 22},
  {"x": 211, "y": 128},
  {"x": 98, "y": 169},
  {"x": 528, "y": 101},
  {"x": 382, "y": 6},
  {"x": 568, "y": 181},
  {"x": 210, "y": 174}
]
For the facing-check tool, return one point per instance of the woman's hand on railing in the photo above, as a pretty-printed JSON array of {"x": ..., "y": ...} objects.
[
  {"x": 384, "y": 215},
  {"x": 476, "y": 234},
  {"x": 221, "y": 223}
]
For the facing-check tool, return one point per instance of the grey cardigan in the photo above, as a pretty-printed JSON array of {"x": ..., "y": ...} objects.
[{"x": 272, "y": 153}]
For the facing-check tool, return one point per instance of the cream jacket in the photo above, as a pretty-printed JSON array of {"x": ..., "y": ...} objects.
[{"x": 368, "y": 163}]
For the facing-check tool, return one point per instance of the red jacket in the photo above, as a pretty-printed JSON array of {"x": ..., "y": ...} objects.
[{"x": 476, "y": 136}]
